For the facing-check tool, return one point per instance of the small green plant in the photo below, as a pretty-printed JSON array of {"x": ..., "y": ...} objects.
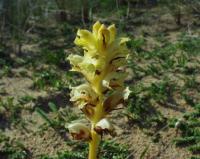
[
  {"x": 10, "y": 110},
  {"x": 191, "y": 83},
  {"x": 182, "y": 60},
  {"x": 53, "y": 57},
  {"x": 161, "y": 91},
  {"x": 57, "y": 117},
  {"x": 189, "y": 130},
  {"x": 103, "y": 67},
  {"x": 25, "y": 99},
  {"x": 6, "y": 71},
  {"x": 136, "y": 44},
  {"x": 48, "y": 78},
  {"x": 153, "y": 69},
  {"x": 189, "y": 44},
  {"x": 163, "y": 53},
  {"x": 141, "y": 111},
  {"x": 12, "y": 149}
]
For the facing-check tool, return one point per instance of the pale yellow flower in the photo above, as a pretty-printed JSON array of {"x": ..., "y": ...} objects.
[
  {"x": 104, "y": 126},
  {"x": 79, "y": 131},
  {"x": 103, "y": 51},
  {"x": 103, "y": 64},
  {"x": 83, "y": 94}
]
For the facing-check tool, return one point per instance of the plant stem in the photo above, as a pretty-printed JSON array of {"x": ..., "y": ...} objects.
[{"x": 93, "y": 145}]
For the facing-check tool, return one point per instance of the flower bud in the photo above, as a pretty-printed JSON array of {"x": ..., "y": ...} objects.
[
  {"x": 112, "y": 30},
  {"x": 95, "y": 28},
  {"x": 79, "y": 131}
]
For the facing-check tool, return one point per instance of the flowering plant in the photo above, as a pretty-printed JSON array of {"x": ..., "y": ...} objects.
[{"x": 102, "y": 65}]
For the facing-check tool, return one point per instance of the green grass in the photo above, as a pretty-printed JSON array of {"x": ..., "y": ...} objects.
[
  {"x": 190, "y": 131},
  {"x": 170, "y": 58},
  {"x": 12, "y": 149},
  {"x": 109, "y": 150},
  {"x": 46, "y": 78},
  {"x": 141, "y": 109},
  {"x": 56, "y": 117},
  {"x": 190, "y": 44},
  {"x": 9, "y": 110}
]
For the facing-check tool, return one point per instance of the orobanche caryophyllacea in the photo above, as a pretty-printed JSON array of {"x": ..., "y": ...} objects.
[{"x": 103, "y": 66}]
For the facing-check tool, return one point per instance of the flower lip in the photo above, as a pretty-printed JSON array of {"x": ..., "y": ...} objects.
[
  {"x": 83, "y": 93},
  {"x": 104, "y": 126},
  {"x": 79, "y": 131}
]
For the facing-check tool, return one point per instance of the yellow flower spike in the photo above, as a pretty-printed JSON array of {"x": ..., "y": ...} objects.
[{"x": 103, "y": 66}]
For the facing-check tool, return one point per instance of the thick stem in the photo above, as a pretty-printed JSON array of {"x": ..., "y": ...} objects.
[{"x": 93, "y": 145}]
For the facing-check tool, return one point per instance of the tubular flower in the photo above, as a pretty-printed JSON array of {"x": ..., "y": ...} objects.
[
  {"x": 103, "y": 65},
  {"x": 104, "y": 127},
  {"x": 79, "y": 131},
  {"x": 83, "y": 95}
]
